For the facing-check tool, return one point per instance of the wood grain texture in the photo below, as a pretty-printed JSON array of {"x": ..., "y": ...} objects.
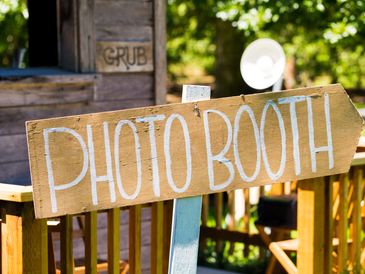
[
  {"x": 157, "y": 237},
  {"x": 113, "y": 240},
  {"x": 134, "y": 13},
  {"x": 311, "y": 226},
  {"x": 67, "y": 258},
  {"x": 86, "y": 32},
  {"x": 345, "y": 134},
  {"x": 13, "y": 148},
  {"x": 35, "y": 241},
  {"x": 68, "y": 31},
  {"x": 124, "y": 33},
  {"x": 160, "y": 51},
  {"x": 23, "y": 240},
  {"x": 342, "y": 263},
  {"x": 121, "y": 56},
  {"x": 21, "y": 94},
  {"x": 14, "y": 193},
  {"x": 12, "y": 119},
  {"x": 16, "y": 173},
  {"x": 91, "y": 242},
  {"x": 135, "y": 239},
  {"x": 119, "y": 86},
  {"x": 356, "y": 218}
]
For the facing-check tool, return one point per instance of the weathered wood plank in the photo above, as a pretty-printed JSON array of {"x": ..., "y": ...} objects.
[
  {"x": 124, "y": 33},
  {"x": 122, "y": 56},
  {"x": 210, "y": 129},
  {"x": 13, "y": 148},
  {"x": 113, "y": 240},
  {"x": 86, "y": 33},
  {"x": 119, "y": 86},
  {"x": 16, "y": 173},
  {"x": 91, "y": 242},
  {"x": 134, "y": 13},
  {"x": 15, "y": 193},
  {"x": 12, "y": 119},
  {"x": 311, "y": 226},
  {"x": 43, "y": 75},
  {"x": 160, "y": 52},
  {"x": 185, "y": 226},
  {"x": 28, "y": 94},
  {"x": 135, "y": 239},
  {"x": 67, "y": 258},
  {"x": 68, "y": 31}
]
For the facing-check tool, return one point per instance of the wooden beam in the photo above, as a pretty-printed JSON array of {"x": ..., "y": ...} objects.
[
  {"x": 24, "y": 242},
  {"x": 160, "y": 51},
  {"x": 135, "y": 239},
  {"x": 312, "y": 230},
  {"x": 67, "y": 259},
  {"x": 91, "y": 242},
  {"x": 113, "y": 240},
  {"x": 157, "y": 235},
  {"x": 86, "y": 31}
]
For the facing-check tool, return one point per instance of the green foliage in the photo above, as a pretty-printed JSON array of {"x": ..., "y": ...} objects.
[
  {"x": 191, "y": 36},
  {"x": 324, "y": 36},
  {"x": 13, "y": 29}
]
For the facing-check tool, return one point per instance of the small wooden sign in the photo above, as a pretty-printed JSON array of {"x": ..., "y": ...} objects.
[
  {"x": 113, "y": 159},
  {"x": 124, "y": 56}
]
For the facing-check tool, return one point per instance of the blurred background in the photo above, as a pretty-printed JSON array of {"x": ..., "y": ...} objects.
[
  {"x": 323, "y": 40},
  {"x": 323, "y": 43}
]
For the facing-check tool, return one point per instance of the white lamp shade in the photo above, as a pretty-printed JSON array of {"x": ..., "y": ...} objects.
[{"x": 262, "y": 63}]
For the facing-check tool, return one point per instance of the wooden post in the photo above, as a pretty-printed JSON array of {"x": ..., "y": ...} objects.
[
  {"x": 67, "y": 259},
  {"x": 313, "y": 227},
  {"x": 24, "y": 240},
  {"x": 357, "y": 198},
  {"x": 91, "y": 242},
  {"x": 135, "y": 239},
  {"x": 113, "y": 240},
  {"x": 187, "y": 212},
  {"x": 157, "y": 235}
]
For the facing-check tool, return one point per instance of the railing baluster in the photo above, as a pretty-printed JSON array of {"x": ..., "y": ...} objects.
[
  {"x": 91, "y": 242},
  {"x": 328, "y": 241},
  {"x": 218, "y": 208},
  {"x": 356, "y": 219},
  {"x": 168, "y": 208},
  {"x": 135, "y": 239},
  {"x": 246, "y": 219},
  {"x": 157, "y": 237},
  {"x": 113, "y": 240},
  {"x": 67, "y": 260},
  {"x": 343, "y": 224}
]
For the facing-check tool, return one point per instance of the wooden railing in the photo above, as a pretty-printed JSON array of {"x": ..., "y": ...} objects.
[
  {"x": 27, "y": 243},
  {"x": 331, "y": 221},
  {"x": 330, "y": 230}
]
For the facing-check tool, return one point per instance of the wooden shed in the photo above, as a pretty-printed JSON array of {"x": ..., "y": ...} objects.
[{"x": 85, "y": 56}]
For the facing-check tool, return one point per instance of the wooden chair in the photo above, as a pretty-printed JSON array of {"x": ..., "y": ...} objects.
[{"x": 347, "y": 192}]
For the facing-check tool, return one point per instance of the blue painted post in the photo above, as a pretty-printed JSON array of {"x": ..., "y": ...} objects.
[{"x": 187, "y": 212}]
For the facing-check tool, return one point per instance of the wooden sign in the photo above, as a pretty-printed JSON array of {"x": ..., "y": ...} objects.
[
  {"x": 124, "y": 56},
  {"x": 114, "y": 159}
]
